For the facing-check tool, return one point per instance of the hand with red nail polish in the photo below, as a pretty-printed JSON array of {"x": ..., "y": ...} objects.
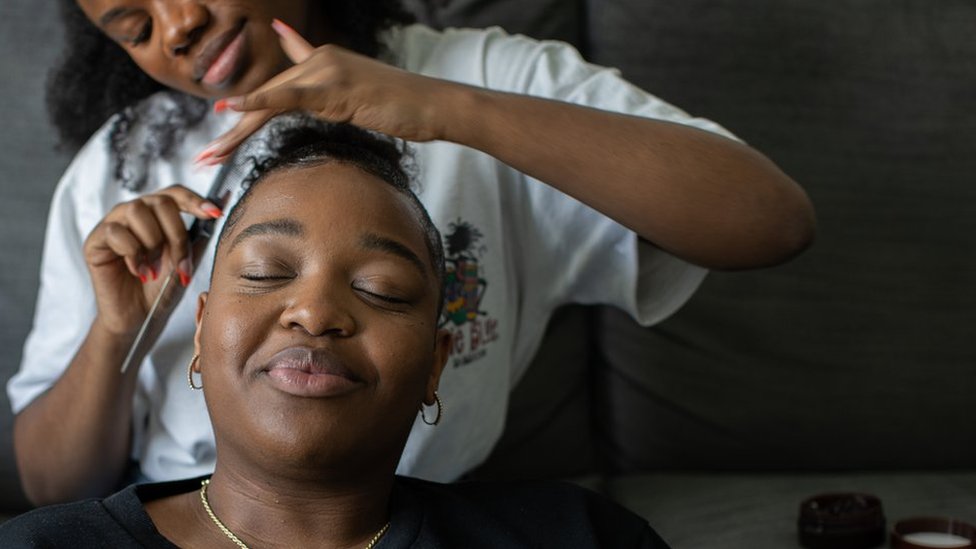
[
  {"x": 339, "y": 85},
  {"x": 132, "y": 250}
]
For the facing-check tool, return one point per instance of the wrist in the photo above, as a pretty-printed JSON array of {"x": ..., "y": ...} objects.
[
  {"x": 115, "y": 331},
  {"x": 463, "y": 114}
]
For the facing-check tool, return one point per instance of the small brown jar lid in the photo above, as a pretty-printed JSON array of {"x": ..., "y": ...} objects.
[
  {"x": 929, "y": 532},
  {"x": 841, "y": 521}
]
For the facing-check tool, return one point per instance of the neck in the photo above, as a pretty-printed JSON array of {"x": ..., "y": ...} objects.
[{"x": 277, "y": 511}]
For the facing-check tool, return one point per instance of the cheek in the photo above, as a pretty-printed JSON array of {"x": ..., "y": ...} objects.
[
  {"x": 404, "y": 358},
  {"x": 230, "y": 331}
]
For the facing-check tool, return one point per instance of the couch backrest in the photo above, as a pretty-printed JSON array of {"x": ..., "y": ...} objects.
[
  {"x": 860, "y": 353},
  {"x": 29, "y": 169}
]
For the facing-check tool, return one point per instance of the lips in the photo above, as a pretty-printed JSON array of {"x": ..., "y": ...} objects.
[
  {"x": 312, "y": 373},
  {"x": 221, "y": 58}
]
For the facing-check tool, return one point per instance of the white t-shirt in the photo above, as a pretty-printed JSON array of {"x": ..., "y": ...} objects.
[{"x": 516, "y": 250}]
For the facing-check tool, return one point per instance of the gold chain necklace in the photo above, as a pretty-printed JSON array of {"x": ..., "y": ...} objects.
[{"x": 237, "y": 540}]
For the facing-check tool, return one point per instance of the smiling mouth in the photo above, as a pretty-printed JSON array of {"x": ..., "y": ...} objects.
[{"x": 222, "y": 59}]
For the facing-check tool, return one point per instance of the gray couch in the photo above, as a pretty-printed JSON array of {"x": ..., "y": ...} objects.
[{"x": 853, "y": 368}]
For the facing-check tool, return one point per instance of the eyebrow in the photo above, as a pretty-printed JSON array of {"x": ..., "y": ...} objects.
[
  {"x": 372, "y": 241},
  {"x": 286, "y": 227}
]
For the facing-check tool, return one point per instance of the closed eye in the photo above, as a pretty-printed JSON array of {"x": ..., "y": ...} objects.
[
  {"x": 143, "y": 35},
  {"x": 384, "y": 301},
  {"x": 384, "y": 297},
  {"x": 262, "y": 277}
]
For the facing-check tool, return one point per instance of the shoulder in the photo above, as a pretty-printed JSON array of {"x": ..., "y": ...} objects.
[
  {"x": 82, "y": 524},
  {"x": 546, "y": 514},
  {"x": 488, "y": 56},
  {"x": 119, "y": 520}
]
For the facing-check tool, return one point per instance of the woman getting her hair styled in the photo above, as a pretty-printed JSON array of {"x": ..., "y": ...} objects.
[
  {"x": 554, "y": 181},
  {"x": 316, "y": 347}
]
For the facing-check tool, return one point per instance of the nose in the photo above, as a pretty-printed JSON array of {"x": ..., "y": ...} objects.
[
  {"x": 318, "y": 310},
  {"x": 181, "y": 23}
]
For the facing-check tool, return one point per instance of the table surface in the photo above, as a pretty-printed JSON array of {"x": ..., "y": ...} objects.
[{"x": 759, "y": 511}]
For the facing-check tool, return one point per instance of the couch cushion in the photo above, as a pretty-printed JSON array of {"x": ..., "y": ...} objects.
[{"x": 860, "y": 353}]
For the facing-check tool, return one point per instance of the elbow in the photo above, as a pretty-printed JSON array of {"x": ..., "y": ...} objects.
[
  {"x": 36, "y": 486},
  {"x": 787, "y": 230},
  {"x": 42, "y": 487},
  {"x": 46, "y": 480},
  {"x": 36, "y": 481},
  {"x": 794, "y": 233}
]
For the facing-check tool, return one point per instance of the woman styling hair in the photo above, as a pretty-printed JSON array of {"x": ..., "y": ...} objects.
[
  {"x": 553, "y": 181},
  {"x": 316, "y": 346}
]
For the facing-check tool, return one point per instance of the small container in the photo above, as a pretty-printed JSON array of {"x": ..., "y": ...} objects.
[
  {"x": 841, "y": 521},
  {"x": 931, "y": 532}
]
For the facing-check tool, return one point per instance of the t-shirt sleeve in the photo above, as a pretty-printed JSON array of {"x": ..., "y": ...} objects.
[
  {"x": 556, "y": 70},
  {"x": 65, "y": 305},
  {"x": 582, "y": 255},
  {"x": 570, "y": 253}
]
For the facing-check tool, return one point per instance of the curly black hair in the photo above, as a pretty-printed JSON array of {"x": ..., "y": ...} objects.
[
  {"x": 301, "y": 141},
  {"x": 95, "y": 79}
]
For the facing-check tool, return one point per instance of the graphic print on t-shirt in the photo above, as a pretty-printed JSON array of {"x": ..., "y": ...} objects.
[{"x": 472, "y": 328}]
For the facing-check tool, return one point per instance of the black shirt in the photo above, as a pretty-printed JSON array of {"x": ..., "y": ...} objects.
[{"x": 422, "y": 514}]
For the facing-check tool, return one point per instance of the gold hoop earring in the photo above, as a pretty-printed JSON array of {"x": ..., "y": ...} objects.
[
  {"x": 189, "y": 373},
  {"x": 440, "y": 410}
]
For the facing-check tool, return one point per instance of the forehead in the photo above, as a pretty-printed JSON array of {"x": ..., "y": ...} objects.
[{"x": 337, "y": 200}]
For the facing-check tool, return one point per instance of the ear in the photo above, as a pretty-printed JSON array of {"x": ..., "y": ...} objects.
[
  {"x": 442, "y": 348},
  {"x": 201, "y": 307}
]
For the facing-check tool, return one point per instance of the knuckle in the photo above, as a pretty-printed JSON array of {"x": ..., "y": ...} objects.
[
  {"x": 166, "y": 202},
  {"x": 136, "y": 209},
  {"x": 112, "y": 228},
  {"x": 328, "y": 52}
]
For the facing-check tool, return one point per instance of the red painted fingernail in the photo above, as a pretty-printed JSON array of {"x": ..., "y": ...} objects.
[
  {"x": 214, "y": 160},
  {"x": 144, "y": 273},
  {"x": 211, "y": 159},
  {"x": 233, "y": 103},
  {"x": 183, "y": 269},
  {"x": 211, "y": 209}
]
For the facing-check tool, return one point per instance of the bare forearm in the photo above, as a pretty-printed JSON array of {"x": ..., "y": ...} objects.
[
  {"x": 73, "y": 441},
  {"x": 703, "y": 197}
]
